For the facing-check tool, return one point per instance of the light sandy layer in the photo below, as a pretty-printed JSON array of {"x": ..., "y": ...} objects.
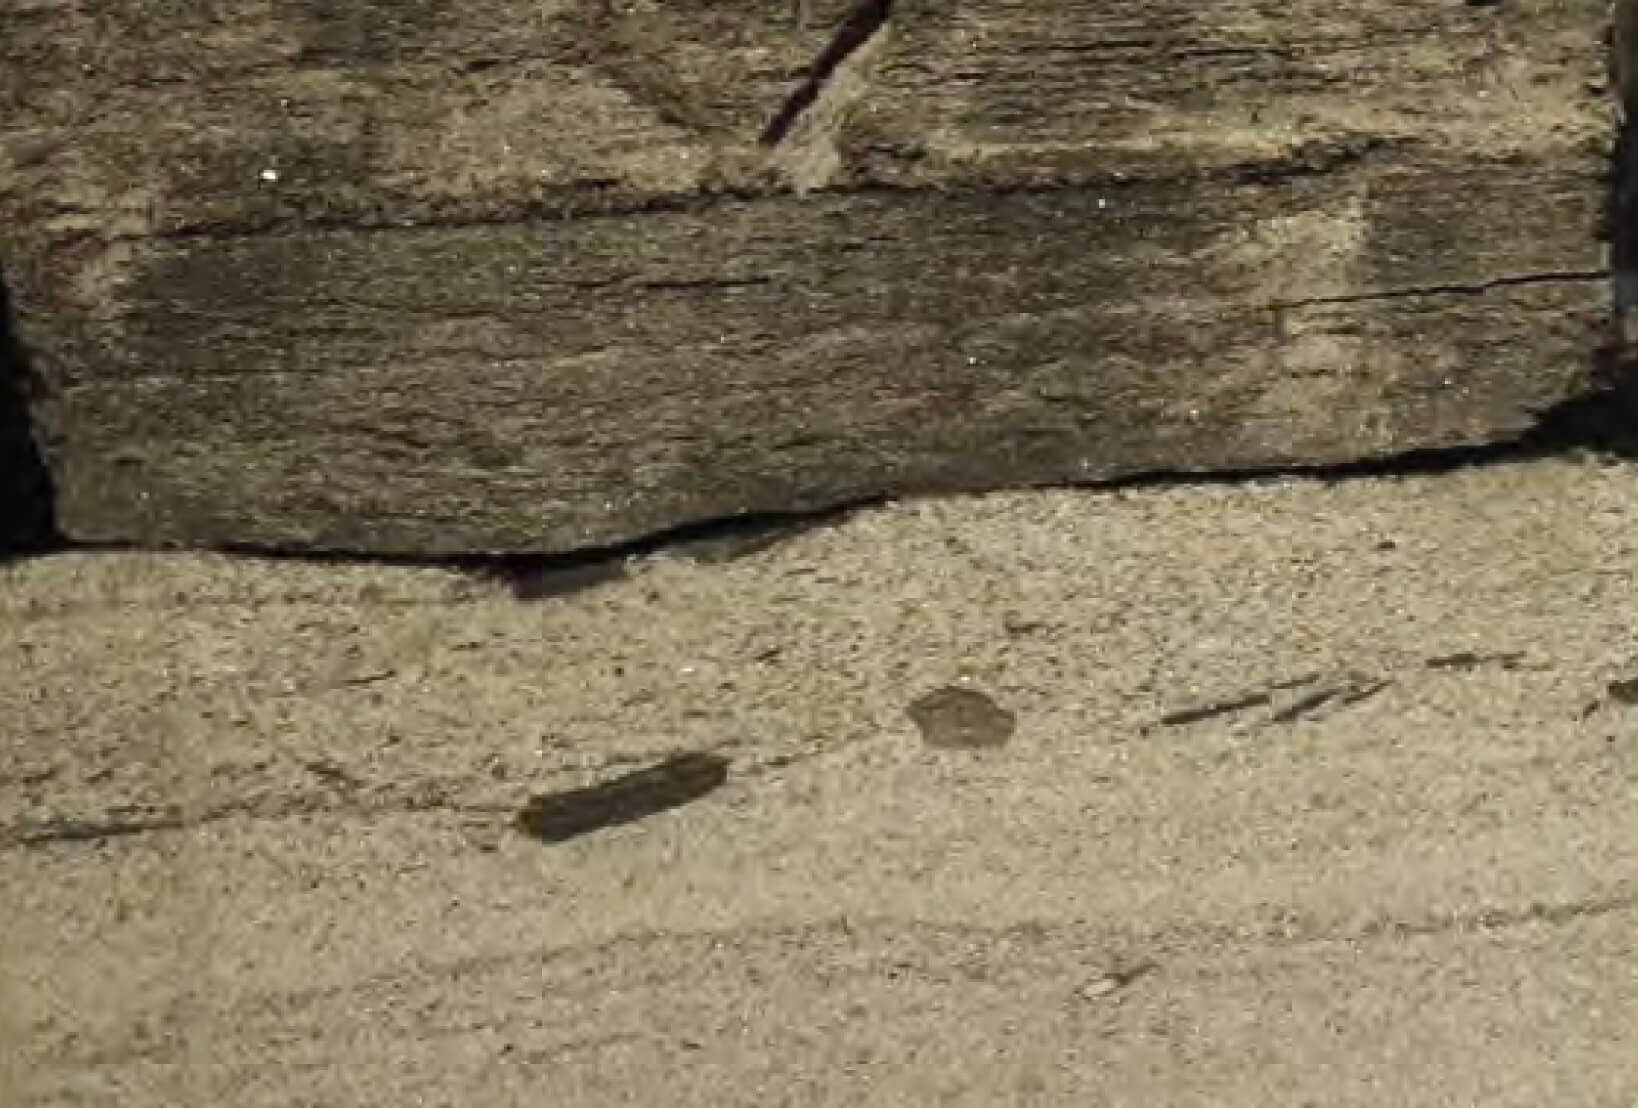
[{"x": 1422, "y": 890}]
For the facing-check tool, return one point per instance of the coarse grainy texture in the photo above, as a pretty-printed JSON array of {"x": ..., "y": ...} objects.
[
  {"x": 1319, "y": 793},
  {"x": 512, "y": 275}
]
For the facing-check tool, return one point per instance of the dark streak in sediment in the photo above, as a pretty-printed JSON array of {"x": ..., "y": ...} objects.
[
  {"x": 1352, "y": 690},
  {"x": 1185, "y": 716},
  {"x": 1468, "y": 660},
  {"x": 555, "y": 817},
  {"x": 856, "y": 30},
  {"x": 1503, "y": 918},
  {"x": 332, "y": 774},
  {"x": 1360, "y": 693},
  {"x": 93, "y": 831},
  {"x": 1304, "y": 705}
]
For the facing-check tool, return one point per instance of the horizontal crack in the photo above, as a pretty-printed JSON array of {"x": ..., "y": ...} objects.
[{"x": 1471, "y": 288}]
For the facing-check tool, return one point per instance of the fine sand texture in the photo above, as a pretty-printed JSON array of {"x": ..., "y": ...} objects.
[{"x": 1271, "y": 793}]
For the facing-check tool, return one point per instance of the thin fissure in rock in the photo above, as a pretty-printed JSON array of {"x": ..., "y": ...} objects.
[{"x": 856, "y": 30}]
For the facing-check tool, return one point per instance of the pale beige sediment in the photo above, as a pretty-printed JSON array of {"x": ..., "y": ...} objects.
[{"x": 1428, "y": 895}]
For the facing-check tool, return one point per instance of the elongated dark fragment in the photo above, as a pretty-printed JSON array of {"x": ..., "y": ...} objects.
[
  {"x": 1184, "y": 716},
  {"x": 555, "y": 817},
  {"x": 1624, "y": 692}
]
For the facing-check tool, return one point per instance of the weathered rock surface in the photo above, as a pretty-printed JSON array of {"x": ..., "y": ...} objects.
[{"x": 418, "y": 277}]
